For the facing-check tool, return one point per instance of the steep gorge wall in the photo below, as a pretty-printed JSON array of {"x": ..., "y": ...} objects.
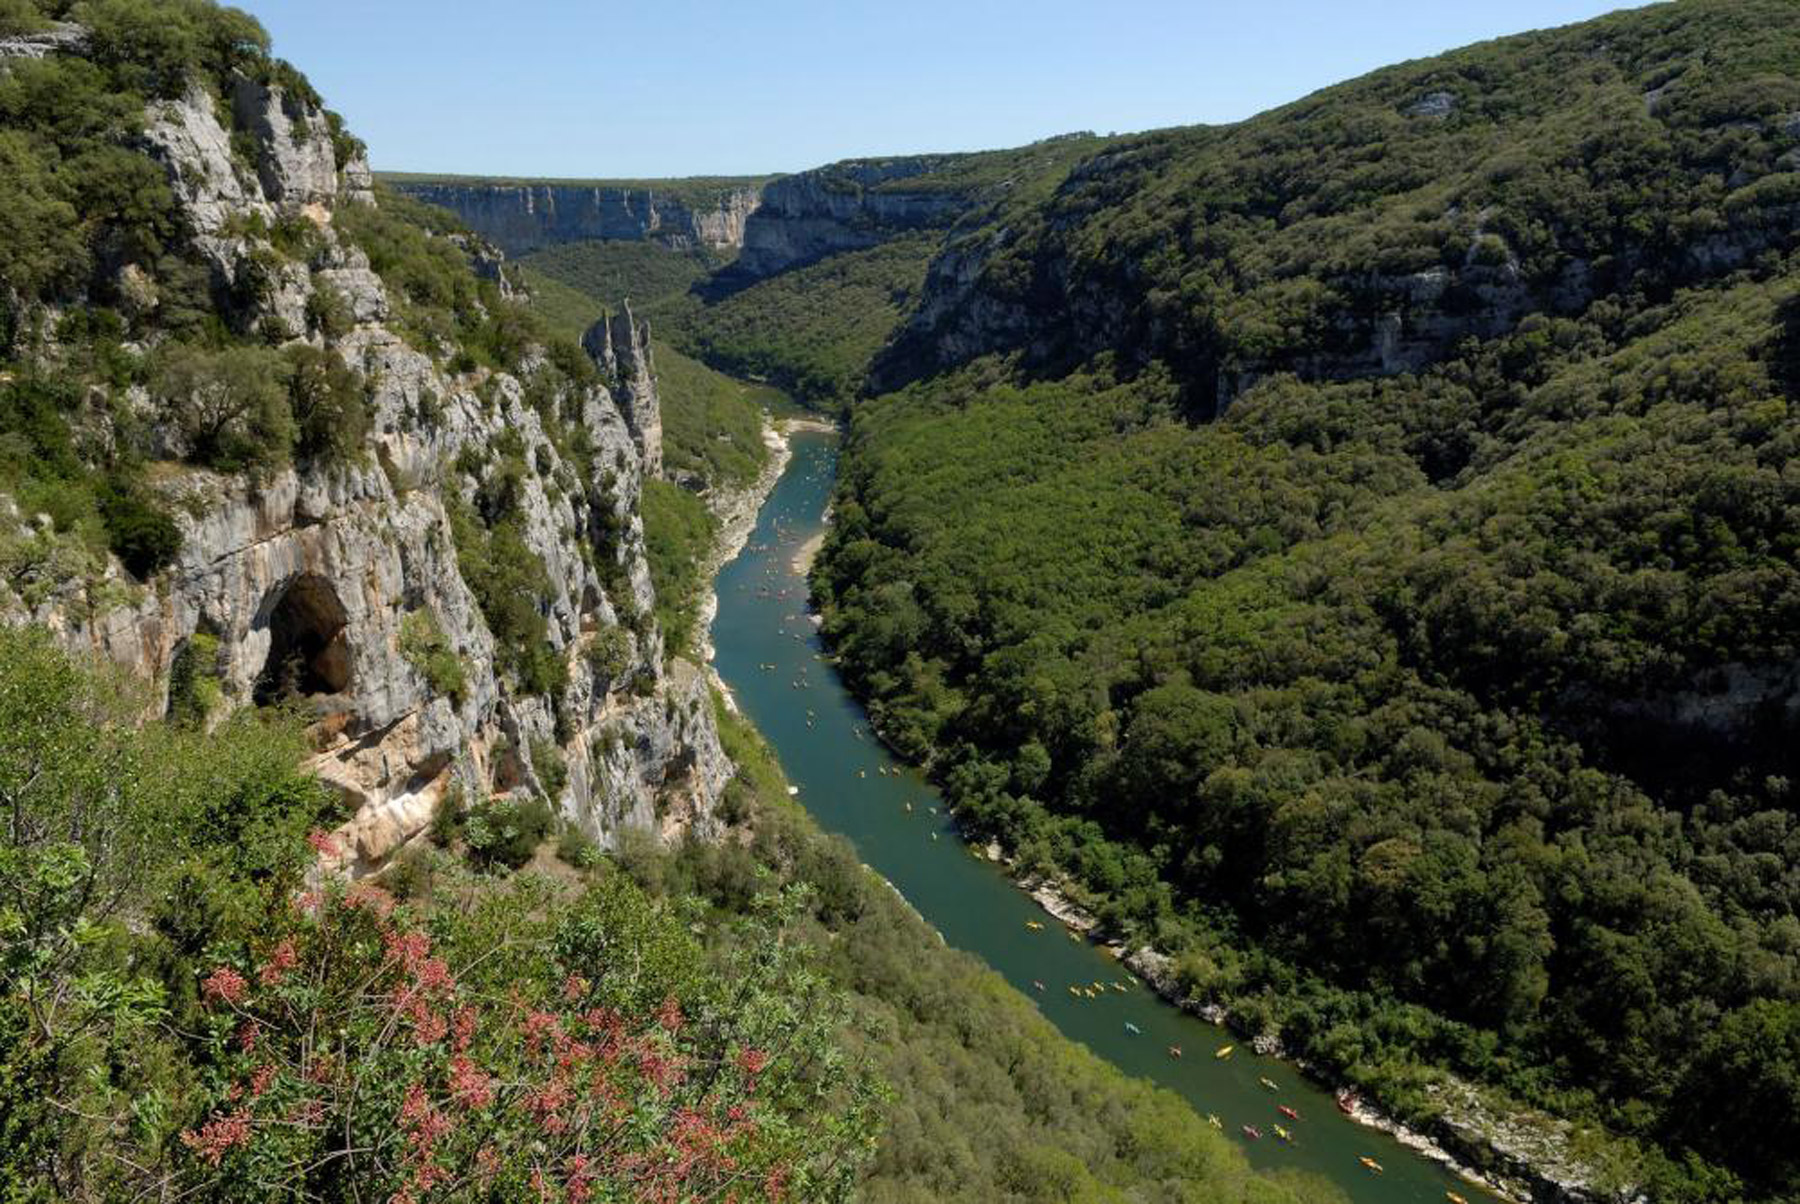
[
  {"x": 521, "y": 218},
  {"x": 316, "y": 573},
  {"x": 772, "y": 226}
]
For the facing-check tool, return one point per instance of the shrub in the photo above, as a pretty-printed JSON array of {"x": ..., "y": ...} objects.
[
  {"x": 231, "y": 406},
  {"x": 138, "y": 529},
  {"x": 327, "y": 396},
  {"x": 20, "y": 17},
  {"x": 552, "y": 770},
  {"x": 447, "y": 820},
  {"x": 609, "y": 654},
  {"x": 578, "y": 849},
  {"x": 427, "y": 649},
  {"x": 194, "y": 682},
  {"x": 505, "y": 832},
  {"x": 328, "y": 313}
]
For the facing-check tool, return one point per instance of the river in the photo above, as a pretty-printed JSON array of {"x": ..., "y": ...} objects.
[{"x": 769, "y": 654}]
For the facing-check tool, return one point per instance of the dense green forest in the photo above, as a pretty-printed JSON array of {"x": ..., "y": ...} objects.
[
  {"x": 507, "y": 1014},
  {"x": 813, "y": 331},
  {"x": 1434, "y": 710}
]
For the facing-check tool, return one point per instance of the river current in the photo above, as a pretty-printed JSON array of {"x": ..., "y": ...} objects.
[{"x": 770, "y": 655}]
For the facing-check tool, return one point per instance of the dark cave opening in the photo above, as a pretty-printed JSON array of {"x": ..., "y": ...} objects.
[{"x": 308, "y": 654}]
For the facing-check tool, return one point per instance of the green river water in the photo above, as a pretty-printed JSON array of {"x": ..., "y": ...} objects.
[{"x": 821, "y": 735}]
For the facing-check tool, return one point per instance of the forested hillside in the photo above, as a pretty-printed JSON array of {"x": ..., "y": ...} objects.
[
  {"x": 1356, "y": 549},
  {"x": 304, "y": 898}
]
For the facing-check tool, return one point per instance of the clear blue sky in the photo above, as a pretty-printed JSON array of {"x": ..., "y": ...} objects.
[{"x": 605, "y": 88}]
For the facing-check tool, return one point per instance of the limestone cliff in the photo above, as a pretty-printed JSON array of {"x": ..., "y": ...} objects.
[
  {"x": 619, "y": 345},
  {"x": 771, "y": 225},
  {"x": 520, "y": 217},
  {"x": 843, "y": 207},
  {"x": 320, "y": 580}
]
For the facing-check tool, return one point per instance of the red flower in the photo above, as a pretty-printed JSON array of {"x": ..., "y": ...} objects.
[
  {"x": 281, "y": 960},
  {"x": 260, "y": 1080},
  {"x": 219, "y": 1135},
  {"x": 669, "y": 1015},
  {"x": 434, "y": 977},
  {"x": 410, "y": 949},
  {"x": 248, "y": 1033},
  {"x": 224, "y": 984},
  {"x": 464, "y": 1024},
  {"x": 322, "y": 842},
  {"x": 469, "y": 1085},
  {"x": 538, "y": 1025},
  {"x": 373, "y": 898}
]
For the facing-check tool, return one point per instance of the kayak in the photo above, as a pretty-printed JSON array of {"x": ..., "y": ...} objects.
[
  {"x": 1224, "y": 1051},
  {"x": 1269, "y": 1084},
  {"x": 1370, "y": 1163},
  {"x": 1034, "y": 925},
  {"x": 1213, "y": 1120},
  {"x": 1133, "y": 1029},
  {"x": 1174, "y": 1051},
  {"x": 1283, "y": 1133},
  {"x": 1037, "y": 984},
  {"x": 1252, "y": 1132},
  {"x": 1454, "y": 1198},
  {"x": 1287, "y": 1112},
  {"x": 1346, "y": 1103}
]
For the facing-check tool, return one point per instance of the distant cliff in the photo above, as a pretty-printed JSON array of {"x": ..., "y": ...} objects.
[
  {"x": 772, "y": 224},
  {"x": 845, "y": 207},
  {"x": 523, "y": 216}
]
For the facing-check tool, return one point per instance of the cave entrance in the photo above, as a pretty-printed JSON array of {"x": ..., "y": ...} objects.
[{"x": 308, "y": 654}]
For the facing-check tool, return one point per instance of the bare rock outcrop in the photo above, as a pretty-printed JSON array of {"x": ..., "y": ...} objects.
[
  {"x": 522, "y": 217},
  {"x": 619, "y": 345},
  {"x": 312, "y": 583}
]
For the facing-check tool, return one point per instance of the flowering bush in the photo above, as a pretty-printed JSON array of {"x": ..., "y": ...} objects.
[{"x": 489, "y": 1052}]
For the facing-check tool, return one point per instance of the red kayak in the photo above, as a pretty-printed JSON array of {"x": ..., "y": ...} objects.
[
  {"x": 1346, "y": 1102},
  {"x": 1287, "y": 1112}
]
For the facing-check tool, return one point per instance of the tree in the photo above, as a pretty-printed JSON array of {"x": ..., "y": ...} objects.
[{"x": 230, "y": 406}]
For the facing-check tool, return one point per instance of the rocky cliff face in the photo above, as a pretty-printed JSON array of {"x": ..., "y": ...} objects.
[
  {"x": 772, "y": 226},
  {"x": 844, "y": 207},
  {"x": 619, "y": 345},
  {"x": 323, "y": 577},
  {"x": 520, "y": 218}
]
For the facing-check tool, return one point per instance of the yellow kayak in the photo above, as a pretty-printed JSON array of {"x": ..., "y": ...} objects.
[
  {"x": 1283, "y": 1133},
  {"x": 1224, "y": 1051},
  {"x": 1034, "y": 925},
  {"x": 1075, "y": 991},
  {"x": 1271, "y": 1086},
  {"x": 1454, "y": 1198},
  {"x": 1370, "y": 1163},
  {"x": 1214, "y": 1121}
]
